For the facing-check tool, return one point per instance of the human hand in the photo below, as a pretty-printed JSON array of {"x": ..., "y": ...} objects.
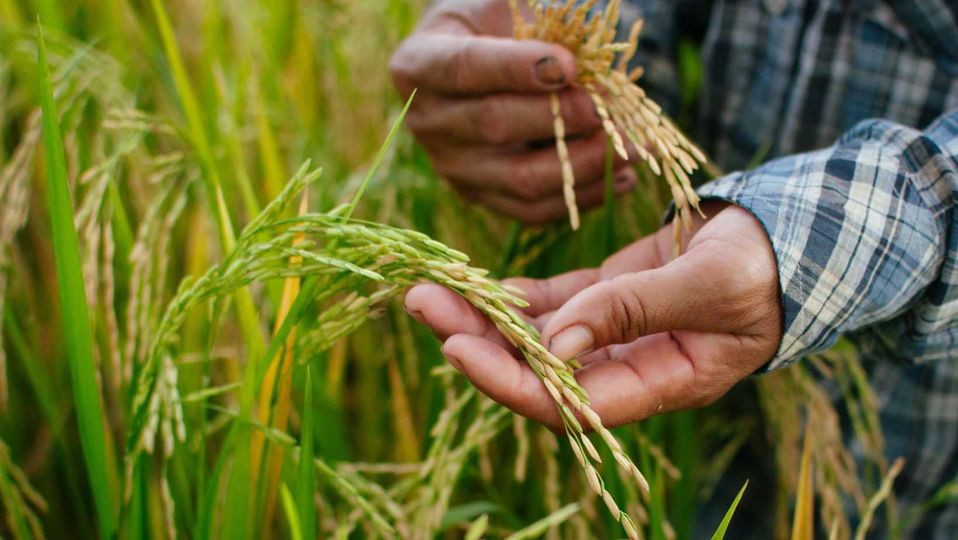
[
  {"x": 482, "y": 112},
  {"x": 652, "y": 334}
]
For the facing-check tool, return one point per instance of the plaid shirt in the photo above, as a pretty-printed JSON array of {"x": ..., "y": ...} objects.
[{"x": 861, "y": 99}]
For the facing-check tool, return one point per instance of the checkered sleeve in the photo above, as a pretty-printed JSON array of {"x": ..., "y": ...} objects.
[{"x": 860, "y": 230}]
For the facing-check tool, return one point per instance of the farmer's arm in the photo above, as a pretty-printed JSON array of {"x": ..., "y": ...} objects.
[{"x": 858, "y": 231}]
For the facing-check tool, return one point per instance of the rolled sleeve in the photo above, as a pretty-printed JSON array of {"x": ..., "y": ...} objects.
[{"x": 858, "y": 229}]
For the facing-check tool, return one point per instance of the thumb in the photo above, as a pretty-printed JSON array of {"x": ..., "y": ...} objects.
[{"x": 678, "y": 296}]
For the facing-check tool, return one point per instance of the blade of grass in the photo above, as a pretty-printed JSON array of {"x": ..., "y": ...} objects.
[
  {"x": 803, "y": 522},
  {"x": 306, "y": 480},
  {"x": 727, "y": 520},
  {"x": 292, "y": 517},
  {"x": 77, "y": 334},
  {"x": 279, "y": 377}
]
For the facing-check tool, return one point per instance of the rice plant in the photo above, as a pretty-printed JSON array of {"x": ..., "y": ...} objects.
[
  {"x": 210, "y": 214},
  {"x": 603, "y": 72}
]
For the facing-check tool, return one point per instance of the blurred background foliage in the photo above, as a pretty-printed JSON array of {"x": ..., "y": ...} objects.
[{"x": 166, "y": 106}]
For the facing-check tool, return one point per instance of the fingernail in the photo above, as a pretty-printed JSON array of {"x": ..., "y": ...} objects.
[
  {"x": 572, "y": 342},
  {"x": 623, "y": 183},
  {"x": 549, "y": 72},
  {"x": 455, "y": 361},
  {"x": 414, "y": 313}
]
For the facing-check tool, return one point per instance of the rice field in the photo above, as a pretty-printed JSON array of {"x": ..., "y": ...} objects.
[{"x": 210, "y": 211}]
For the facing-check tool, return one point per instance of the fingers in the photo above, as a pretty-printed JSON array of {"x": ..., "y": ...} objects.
[
  {"x": 446, "y": 313},
  {"x": 554, "y": 207},
  {"x": 545, "y": 295},
  {"x": 529, "y": 175},
  {"x": 691, "y": 293},
  {"x": 500, "y": 119},
  {"x": 651, "y": 376},
  {"x": 454, "y": 64},
  {"x": 660, "y": 373},
  {"x": 501, "y": 376}
]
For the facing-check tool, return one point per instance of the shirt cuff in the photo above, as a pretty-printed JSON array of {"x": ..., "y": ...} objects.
[{"x": 855, "y": 238}]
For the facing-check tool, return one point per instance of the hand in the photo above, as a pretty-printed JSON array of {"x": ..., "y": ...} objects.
[
  {"x": 482, "y": 112},
  {"x": 653, "y": 335}
]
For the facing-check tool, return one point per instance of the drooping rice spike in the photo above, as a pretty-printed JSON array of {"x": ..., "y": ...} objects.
[{"x": 625, "y": 110}]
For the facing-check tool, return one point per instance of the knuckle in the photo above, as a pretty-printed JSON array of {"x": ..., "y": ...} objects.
[
  {"x": 627, "y": 312},
  {"x": 461, "y": 66},
  {"x": 525, "y": 182},
  {"x": 489, "y": 122}
]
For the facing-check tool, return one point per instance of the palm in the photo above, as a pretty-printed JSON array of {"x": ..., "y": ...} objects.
[{"x": 669, "y": 334}]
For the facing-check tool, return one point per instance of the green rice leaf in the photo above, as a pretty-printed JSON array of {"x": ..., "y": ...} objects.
[
  {"x": 723, "y": 526},
  {"x": 292, "y": 516},
  {"x": 379, "y": 157},
  {"x": 306, "y": 481},
  {"x": 74, "y": 313}
]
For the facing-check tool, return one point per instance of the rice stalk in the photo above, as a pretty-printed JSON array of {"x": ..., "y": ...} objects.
[
  {"x": 21, "y": 501},
  {"x": 626, "y": 111},
  {"x": 880, "y": 496},
  {"x": 306, "y": 480},
  {"x": 803, "y": 521}
]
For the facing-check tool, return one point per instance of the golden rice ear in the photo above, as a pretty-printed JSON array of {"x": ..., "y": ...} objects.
[
  {"x": 626, "y": 111},
  {"x": 568, "y": 177},
  {"x": 633, "y": 42}
]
